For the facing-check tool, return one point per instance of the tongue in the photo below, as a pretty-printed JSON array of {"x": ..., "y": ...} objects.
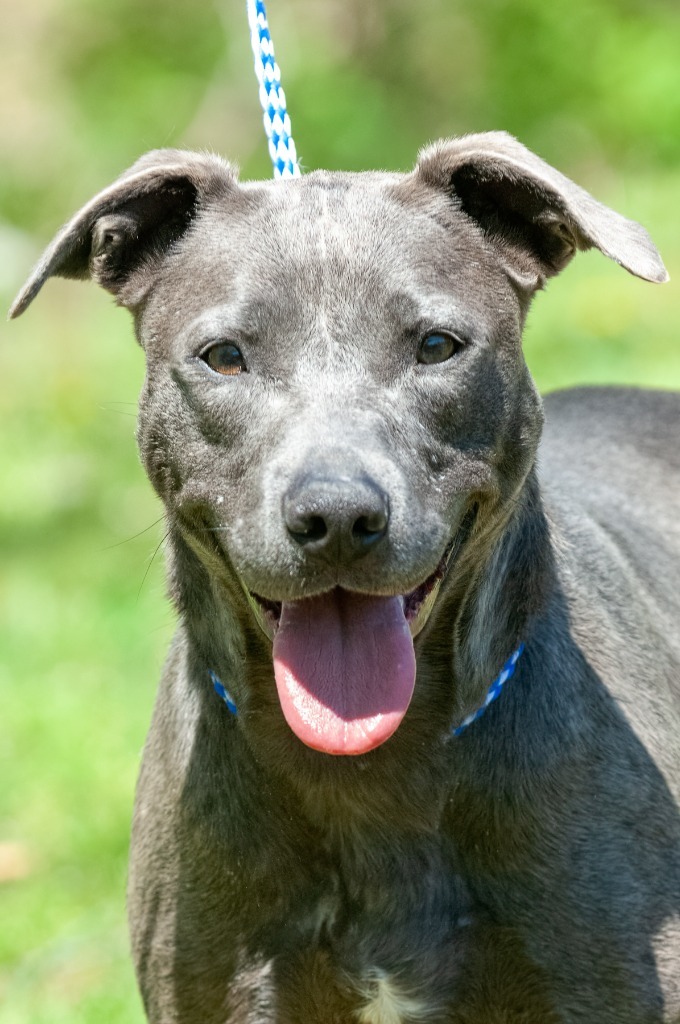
[{"x": 345, "y": 670}]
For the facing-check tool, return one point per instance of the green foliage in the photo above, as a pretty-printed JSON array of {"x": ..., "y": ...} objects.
[
  {"x": 592, "y": 80},
  {"x": 82, "y": 630},
  {"x": 131, "y": 69},
  {"x": 85, "y": 87}
]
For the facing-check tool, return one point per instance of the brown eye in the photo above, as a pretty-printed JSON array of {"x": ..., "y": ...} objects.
[
  {"x": 224, "y": 358},
  {"x": 438, "y": 347}
]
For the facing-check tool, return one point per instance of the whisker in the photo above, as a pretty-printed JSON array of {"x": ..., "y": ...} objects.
[
  {"x": 151, "y": 561},
  {"x": 111, "y": 407},
  {"x": 134, "y": 536}
]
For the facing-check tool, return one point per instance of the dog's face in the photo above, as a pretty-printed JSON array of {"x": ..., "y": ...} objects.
[
  {"x": 329, "y": 401},
  {"x": 336, "y": 399}
]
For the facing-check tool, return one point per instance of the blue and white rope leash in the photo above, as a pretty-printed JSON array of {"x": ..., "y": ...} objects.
[
  {"x": 493, "y": 692},
  {"x": 272, "y": 96}
]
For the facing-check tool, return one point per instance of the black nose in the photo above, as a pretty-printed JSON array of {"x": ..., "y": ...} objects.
[{"x": 339, "y": 518}]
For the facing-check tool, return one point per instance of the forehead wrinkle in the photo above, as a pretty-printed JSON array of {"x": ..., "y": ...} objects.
[
  {"x": 328, "y": 287},
  {"x": 322, "y": 245},
  {"x": 331, "y": 232}
]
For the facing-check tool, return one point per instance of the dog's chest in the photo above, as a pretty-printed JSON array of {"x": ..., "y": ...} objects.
[
  {"x": 378, "y": 946},
  {"x": 396, "y": 940}
]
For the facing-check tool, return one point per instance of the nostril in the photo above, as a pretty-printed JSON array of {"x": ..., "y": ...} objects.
[
  {"x": 369, "y": 528},
  {"x": 307, "y": 529}
]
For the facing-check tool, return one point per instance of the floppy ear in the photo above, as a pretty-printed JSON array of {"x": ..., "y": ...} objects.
[
  {"x": 138, "y": 217},
  {"x": 536, "y": 216}
]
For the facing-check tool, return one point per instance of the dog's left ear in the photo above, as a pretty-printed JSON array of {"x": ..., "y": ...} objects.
[
  {"x": 536, "y": 216},
  {"x": 119, "y": 236}
]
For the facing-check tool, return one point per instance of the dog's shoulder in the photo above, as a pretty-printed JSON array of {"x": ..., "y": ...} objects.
[
  {"x": 593, "y": 421},
  {"x": 597, "y": 416},
  {"x": 617, "y": 447}
]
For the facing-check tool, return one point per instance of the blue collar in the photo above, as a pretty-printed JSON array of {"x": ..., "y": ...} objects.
[
  {"x": 493, "y": 692},
  {"x": 222, "y": 692}
]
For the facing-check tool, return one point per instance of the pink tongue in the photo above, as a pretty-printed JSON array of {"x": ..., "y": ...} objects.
[{"x": 345, "y": 669}]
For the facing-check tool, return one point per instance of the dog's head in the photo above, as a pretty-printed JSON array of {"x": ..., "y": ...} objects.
[{"x": 336, "y": 401}]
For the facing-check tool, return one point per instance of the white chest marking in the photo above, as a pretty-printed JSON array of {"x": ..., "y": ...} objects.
[{"x": 388, "y": 1005}]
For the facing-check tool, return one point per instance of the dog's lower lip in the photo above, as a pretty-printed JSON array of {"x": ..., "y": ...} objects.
[{"x": 270, "y": 611}]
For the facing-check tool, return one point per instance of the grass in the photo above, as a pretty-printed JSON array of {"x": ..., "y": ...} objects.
[{"x": 83, "y": 619}]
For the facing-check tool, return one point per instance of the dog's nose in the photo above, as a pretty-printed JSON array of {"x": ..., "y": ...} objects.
[{"x": 339, "y": 518}]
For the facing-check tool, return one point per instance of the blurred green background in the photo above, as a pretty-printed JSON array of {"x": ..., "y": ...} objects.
[{"x": 85, "y": 87}]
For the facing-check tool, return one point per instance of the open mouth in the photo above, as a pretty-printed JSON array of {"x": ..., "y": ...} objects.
[
  {"x": 344, "y": 661},
  {"x": 416, "y": 604}
]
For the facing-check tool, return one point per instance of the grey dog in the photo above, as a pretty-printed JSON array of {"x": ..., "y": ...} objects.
[{"x": 365, "y": 525}]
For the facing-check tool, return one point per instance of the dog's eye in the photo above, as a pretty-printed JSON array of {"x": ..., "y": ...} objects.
[
  {"x": 224, "y": 357},
  {"x": 438, "y": 347}
]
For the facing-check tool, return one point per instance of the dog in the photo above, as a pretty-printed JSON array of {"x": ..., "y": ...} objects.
[{"x": 442, "y": 782}]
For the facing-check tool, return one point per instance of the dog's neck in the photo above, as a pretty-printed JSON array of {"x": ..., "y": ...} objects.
[{"x": 505, "y": 582}]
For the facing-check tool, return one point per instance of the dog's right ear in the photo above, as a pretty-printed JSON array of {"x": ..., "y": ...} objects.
[{"x": 135, "y": 219}]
